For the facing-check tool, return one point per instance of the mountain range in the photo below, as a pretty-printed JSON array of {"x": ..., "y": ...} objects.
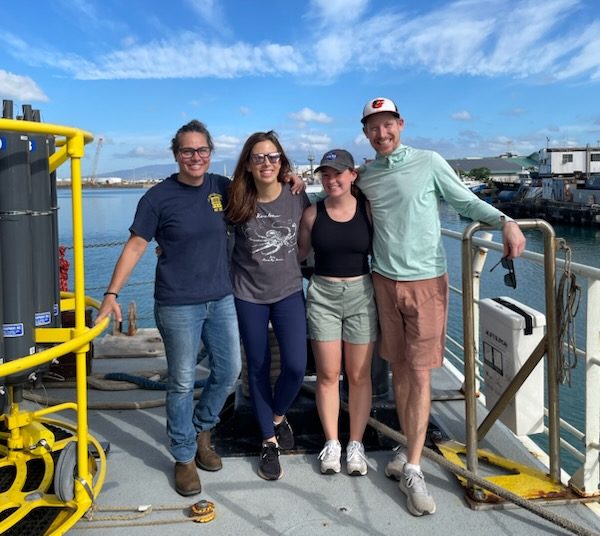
[{"x": 152, "y": 172}]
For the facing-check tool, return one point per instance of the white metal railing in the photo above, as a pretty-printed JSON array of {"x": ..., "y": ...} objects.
[{"x": 586, "y": 480}]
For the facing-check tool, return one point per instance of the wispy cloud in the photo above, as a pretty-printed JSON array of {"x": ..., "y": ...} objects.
[
  {"x": 81, "y": 8},
  {"x": 461, "y": 116},
  {"x": 473, "y": 37},
  {"x": 338, "y": 12},
  {"x": 306, "y": 115},
  {"x": 211, "y": 13},
  {"x": 332, "y": 56},
  {"x": 226, "y": 147},
  {"x": 516, "y": 112},
  {"x": 315, "y": 143},
  {"x": 588, "y": 58},
  {"x": 490, "y": 38},
  {"x": 225, "y": 141},
  {"x": 23, "y": 88},
  {"x": 86, "y": 15},
  {"x": 361, "y": 141},
  {"x": 164, "y": 59}
]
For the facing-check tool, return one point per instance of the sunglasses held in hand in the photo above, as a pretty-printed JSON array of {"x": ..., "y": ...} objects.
[{"x": 510, "y": 279}]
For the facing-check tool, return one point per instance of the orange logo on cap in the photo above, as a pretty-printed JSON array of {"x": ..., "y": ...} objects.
[{"x": 377, "y": 103}]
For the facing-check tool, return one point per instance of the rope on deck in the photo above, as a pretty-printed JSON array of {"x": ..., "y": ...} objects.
[{"x": 428, "y": 453}]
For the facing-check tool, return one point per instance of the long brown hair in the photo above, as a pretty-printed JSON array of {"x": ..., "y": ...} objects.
[{"x": 241, "y": 206}]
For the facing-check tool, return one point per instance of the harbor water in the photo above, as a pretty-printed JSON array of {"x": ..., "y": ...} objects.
[{"x": 108, "y": 213}]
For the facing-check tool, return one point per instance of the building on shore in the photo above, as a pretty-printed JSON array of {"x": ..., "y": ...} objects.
[
  {"x": 506, "y": 169},
  {"x": 570, "y": 174},
  {"x": 567, "y": 189}
]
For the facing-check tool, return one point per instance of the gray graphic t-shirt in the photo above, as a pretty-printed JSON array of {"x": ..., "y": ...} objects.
[{"x": 264, "y": 261}]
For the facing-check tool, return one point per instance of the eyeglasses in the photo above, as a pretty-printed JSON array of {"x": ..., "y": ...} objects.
[
  {"x": 259, "y": 158},
  {"x": 510, "y": 279},
  {"x": 189, "y": 152}
]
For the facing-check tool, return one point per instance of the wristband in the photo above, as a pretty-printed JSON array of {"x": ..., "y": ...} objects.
[{"x": 109, "y": 293}]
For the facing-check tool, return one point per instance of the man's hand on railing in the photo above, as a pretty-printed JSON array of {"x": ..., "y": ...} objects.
[{"x": 513, "y": 239}]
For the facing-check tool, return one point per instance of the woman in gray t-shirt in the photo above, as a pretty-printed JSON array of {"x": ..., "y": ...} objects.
[{"x": 268, "y": 287}]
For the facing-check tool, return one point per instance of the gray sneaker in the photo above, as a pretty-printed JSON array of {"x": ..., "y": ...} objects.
[
  {"x": 419, "y": 500},
  {"x": 395, "y": 466},
  {"x": 356, "y": 462},
  {"x": 330, "y": 457}
]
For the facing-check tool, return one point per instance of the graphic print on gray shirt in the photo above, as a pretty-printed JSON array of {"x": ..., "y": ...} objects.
[{"x": 264, "y": 261}]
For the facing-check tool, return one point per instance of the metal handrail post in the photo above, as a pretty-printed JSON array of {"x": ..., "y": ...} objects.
[
  {"x": 552, "y": 343},
  {"x": 551, "y": 337},
  {"x": 469, "y": 343},
  {"x": 479, "y": 257}
]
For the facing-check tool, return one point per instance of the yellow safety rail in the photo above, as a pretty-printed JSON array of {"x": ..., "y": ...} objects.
[{"x": 70, "y": 143}]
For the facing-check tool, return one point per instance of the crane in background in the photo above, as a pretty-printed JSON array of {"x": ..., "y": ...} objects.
[{"x": 96, "y": 158}]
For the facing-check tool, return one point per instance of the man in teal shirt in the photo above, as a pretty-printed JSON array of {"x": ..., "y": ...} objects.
[{"x": 403, "y": 186}]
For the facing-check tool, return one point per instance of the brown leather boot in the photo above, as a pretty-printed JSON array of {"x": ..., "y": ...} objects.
[
  {"x": 206, "y": 457},
  {"x": 187, "y": 481}
]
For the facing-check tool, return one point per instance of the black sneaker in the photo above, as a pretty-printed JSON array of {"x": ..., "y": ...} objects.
[
  {"x": 269, "y": 467},
  {"x": 284, "y": 435}
]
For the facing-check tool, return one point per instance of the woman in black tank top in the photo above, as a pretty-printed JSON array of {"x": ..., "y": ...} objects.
[{"x": 342, "y": 318}]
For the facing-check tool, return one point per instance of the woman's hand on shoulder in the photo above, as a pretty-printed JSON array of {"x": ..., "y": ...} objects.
[{"x": 296, "y": 183}]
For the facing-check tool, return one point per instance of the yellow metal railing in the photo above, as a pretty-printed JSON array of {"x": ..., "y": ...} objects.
[{"x": 70, "y": 144}]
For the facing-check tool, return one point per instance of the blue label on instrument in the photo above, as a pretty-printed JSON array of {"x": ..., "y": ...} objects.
[
  {"x": 2, "y": 143},
  {"x": 42, "y": 319},
  {"x": 55, "y": 309},
  {"x": 32, "y": 146},
  {"x": 13, "y": 330}
]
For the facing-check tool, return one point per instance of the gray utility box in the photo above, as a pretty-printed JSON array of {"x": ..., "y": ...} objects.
[{"x": 510, "y": 331}]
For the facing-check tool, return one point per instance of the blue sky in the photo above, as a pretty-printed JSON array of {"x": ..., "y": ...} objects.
[{"x": 471, "y": 78}]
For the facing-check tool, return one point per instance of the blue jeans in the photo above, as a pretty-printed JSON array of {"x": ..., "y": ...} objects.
[
  {"x": 182, "y": 328},
  {"x": 288, "y": 318}
]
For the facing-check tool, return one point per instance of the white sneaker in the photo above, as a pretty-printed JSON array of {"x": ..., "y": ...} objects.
[
  {"x": 356, "y": 463},
  {"x": 330, "y": 457},
  {"x": 395, "y": 466},
  {"x": 419, "y": 500}
]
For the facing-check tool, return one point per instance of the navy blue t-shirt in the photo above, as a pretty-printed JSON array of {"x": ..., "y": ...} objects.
[{"x": 187, "y": 223}]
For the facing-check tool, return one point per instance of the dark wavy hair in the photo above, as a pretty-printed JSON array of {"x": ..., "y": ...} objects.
[
  {"x": 242, "y": 191},
  {"x": 193, "y": 126}
]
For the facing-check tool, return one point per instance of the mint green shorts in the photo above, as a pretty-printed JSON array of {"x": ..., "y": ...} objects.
[{"x": 341, "y": 310}]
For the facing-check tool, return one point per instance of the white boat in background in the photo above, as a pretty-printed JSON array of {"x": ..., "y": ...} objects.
[
  {"x": 473, "y": 185},
  {"x": 314, "y": 188}
]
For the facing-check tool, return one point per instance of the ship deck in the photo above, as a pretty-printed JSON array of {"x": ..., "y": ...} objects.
[{"x": 140, "y": 472}]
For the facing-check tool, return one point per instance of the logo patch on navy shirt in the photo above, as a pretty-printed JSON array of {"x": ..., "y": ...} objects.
[{"x": 216, "y": 202}]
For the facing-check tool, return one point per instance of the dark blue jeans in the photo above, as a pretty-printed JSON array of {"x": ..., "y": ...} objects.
[
  {"x": 182, "y": 328},
  {"x": 288, "y": 318}
]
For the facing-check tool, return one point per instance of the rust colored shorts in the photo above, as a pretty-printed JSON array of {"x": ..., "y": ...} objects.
[{"x": 412, "y": 318}]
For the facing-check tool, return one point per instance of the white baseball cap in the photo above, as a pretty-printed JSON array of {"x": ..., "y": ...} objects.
[{"x": 378, "y": 105}]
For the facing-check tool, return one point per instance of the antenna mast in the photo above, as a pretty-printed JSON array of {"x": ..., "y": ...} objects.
[{"x": 96, "y": 158}]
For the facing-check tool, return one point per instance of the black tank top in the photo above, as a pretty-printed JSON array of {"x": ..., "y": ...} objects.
[{"x": 342, "y": 248}]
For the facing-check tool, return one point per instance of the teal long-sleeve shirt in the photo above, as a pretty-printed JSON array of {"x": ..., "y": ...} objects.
[{"x": 404, "y": 189}]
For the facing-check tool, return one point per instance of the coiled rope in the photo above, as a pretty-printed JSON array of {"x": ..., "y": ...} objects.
[{"x": 567, "y": 305}]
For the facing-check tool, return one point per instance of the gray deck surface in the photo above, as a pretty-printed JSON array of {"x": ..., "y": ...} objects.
[{"x": 303, "y": 502}]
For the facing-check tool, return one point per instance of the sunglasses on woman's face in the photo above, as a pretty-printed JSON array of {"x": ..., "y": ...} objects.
[
  {"x": 510, "y": 279},
  {"x": 259, "y": 158}
]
